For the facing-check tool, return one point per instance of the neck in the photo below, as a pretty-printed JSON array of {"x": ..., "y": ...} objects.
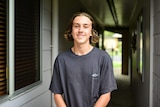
[{"x": 82, "y": 49}]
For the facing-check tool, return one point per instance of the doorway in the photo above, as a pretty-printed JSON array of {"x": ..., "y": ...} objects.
[
  {"x": 122, "y": 97},
  {"x": 113, "y": 46}
]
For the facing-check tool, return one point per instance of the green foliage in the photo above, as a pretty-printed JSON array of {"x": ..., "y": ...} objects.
[
  {"x": 117, "y": 64},
  {"x": 107, "y": 33}
]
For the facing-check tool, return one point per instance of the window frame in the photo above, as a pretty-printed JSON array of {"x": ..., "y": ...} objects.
[{"x": 10, "y": 48}]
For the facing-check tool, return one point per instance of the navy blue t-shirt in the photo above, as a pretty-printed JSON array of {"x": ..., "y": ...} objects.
[{"x": 82, "y": 79}]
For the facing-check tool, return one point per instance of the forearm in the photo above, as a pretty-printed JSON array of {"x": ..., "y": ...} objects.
[
  {"x": 59, "y": 100},
  {"x": 103, "y": 100}
]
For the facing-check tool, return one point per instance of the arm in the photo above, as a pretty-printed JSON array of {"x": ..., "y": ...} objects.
[
  {"x": 103, "y": 100},
  {"x": 59, "y": 100}
]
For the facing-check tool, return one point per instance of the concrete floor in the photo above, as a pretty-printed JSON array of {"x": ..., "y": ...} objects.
[{"x": 122, "y": 97}]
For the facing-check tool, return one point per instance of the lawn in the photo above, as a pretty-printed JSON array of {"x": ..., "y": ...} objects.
[{"x": 117, "y": 64}]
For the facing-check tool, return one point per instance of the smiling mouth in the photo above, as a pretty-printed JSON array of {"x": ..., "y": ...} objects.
[{"x": 80, "y": 35}]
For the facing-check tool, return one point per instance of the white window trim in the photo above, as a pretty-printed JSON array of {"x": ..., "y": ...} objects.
[
  {"x": 11, "y": 57},
  {"x": 10, "y": 68},
  {"x": 11, "y": 42}
]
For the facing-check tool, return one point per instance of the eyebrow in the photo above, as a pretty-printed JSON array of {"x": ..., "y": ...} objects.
[{"x": 83, "y": 24}]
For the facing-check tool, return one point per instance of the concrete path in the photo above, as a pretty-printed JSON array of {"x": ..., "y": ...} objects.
[{"x": 123, "y": 96}]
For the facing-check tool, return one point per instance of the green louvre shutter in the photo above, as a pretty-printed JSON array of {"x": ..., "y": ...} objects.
[
  {"x": 3, "y": 81},
  {"x": 27, "y": 42}
]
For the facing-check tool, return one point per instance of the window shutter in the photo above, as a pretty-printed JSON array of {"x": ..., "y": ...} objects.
[
  {"x": 27, "y": 43},
  {"x": 3, "y": 82}
]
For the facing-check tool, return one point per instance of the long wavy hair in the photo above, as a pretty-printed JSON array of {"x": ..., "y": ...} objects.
[{"x": 93, "y": 39}]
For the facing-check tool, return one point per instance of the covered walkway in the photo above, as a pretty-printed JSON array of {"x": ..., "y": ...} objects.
[{"x": 123, "y": 96}]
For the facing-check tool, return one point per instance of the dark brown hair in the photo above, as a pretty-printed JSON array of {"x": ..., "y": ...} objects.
[{"x": 93, "y": 39}]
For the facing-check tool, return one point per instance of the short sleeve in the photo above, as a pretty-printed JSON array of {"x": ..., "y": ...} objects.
[
  {"x": 55, "y": 85},
  {"x": 108, "y": 82}
]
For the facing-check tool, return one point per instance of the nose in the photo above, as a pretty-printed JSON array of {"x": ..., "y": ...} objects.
[{"x": 80, "y": 29}]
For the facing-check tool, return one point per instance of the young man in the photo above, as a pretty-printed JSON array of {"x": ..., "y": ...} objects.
[{"x": 83, "y": 75}]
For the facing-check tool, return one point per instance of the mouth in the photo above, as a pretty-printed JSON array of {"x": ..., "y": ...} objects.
[{"x": 80, "y": 36}]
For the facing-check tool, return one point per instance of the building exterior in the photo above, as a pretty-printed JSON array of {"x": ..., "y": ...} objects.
[{"x": 47, "y": 26}]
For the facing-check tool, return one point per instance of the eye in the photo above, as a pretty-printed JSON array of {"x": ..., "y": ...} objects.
[
  {"x": 75, "y": 25},
  {"x": 86, "y": 26}
]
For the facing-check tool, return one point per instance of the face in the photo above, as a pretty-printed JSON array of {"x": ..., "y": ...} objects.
[{"x": 81, "y": 30}]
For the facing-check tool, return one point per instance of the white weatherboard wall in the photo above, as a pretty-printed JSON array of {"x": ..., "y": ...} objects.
[{"x": 39, "y": 96}]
